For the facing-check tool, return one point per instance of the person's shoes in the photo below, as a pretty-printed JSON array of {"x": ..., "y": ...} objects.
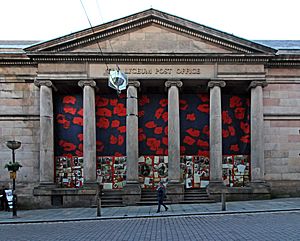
[
  {"x": 167, "y": 209},
  {"x": 157, "y": 211}
]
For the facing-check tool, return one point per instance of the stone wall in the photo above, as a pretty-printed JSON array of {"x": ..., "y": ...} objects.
[
  {"x": 282, "y": 132},
  {"x": 19, "y": 120}
]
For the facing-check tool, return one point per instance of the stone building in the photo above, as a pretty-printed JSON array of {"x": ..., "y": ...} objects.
[{"x": 203, "y": 110}]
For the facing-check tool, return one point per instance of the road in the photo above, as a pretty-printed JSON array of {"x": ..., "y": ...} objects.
[{"x": 254, "y": 226}]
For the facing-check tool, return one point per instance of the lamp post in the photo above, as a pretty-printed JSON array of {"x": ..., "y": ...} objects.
[{"x": 14, "y": 145}]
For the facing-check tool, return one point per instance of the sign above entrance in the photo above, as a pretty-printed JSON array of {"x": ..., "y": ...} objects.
[{"x": 156, "y": 71}]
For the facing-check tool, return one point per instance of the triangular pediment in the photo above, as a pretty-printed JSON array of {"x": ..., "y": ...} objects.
[{"x": 151, "y": 31}]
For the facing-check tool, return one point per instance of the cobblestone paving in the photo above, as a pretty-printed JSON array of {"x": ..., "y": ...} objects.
[{"x": 255, "y": 226}]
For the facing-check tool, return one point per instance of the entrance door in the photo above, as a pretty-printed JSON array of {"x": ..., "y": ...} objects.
[
  {"x": 111, "y": 171},
  {"x": 195, "y": 171},
  {"x": 152, "y": 170}
]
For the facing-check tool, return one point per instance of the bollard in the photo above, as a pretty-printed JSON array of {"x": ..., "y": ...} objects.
[
  {"x": 98, "y": 206},
  {"x": 14, "y": 205},
  {"x": 98, "y": 199},
  {"x": 223, "y": 200}
]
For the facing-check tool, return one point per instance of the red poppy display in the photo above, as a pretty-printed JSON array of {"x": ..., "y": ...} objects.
[
  {"x": 115, "y": 123},
  {"x": 104, "y": 112},
  {"x": 245, "y": 127},
  {"x": 122, "y": 129},
  {"x": 191, "y": 117},
  {"x": 193, "y": 120},
  {"x": 103, "y": 123},
  {"x": 120, "y": 109},
  {"x": 158, "y": 130},
  {"x": 202, "y": 143},
  {"x": 101, "y": 101},
  {"x": 159, "y": 112},
  {"x": 239, "y": 113},
  {"x": 163, "y": 102},
  {"x": 150, "y": 124},
  {"x": 153, "y": 144},
  {"x": 203, "y": 108},
  {"x": 143, "y": 100},
  {"x": 69, "y": 109},
  {"x": 226, "y": 118},
  {"x": 69, "y": 100},
  {"x": 188, "y": 140},
  {"x": 80, "y": 112},
  {"x": 231, "y": 130},
  {"x": 183, "y": 105},
  {"x": 67, "y": 146},
  {"x": 235, "y": 101},
  {"x": 193, "y": 132},
  {"x": 234, "y": 148},
  {"x": 111, "y": 125},
  {"x": 153, "y": 120},
  {"x": 78, "y": 121},
  {"x": 235, "y": 124}
]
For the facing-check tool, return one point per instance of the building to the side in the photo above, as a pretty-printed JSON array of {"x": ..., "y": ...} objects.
[{"x": 203, "y": 109}]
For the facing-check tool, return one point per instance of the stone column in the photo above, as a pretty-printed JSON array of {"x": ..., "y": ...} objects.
[
  {"x": 89, "y": 131},
  {"x": 215, "y": 133},
  {"x": 46, "y": 132},
  {"x": 175, "y": 187},
  {"x": 132, "y": 142},
  {"x": 132, "y": 189},
  {"x": 257, "y": 131}
]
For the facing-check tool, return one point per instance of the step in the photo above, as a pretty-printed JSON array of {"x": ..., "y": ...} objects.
[
  {"x": 197, "y": 201},
  {"x": 195, "y": 195},
  {"x": 111, "y": 198},
  {"x": 148, "y": 199}
]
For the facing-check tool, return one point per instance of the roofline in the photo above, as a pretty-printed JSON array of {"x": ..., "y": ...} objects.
[{"x": 165, "y": 19}]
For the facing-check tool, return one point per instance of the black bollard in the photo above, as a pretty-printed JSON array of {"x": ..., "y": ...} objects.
[
  {"x": 14, "y": 205},
  {"x": 223, "y": 200},
  {"x": 98, "y": 206}
]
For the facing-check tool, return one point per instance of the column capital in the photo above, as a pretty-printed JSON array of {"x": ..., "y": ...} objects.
[
  {"x": 214, "y": 83},
  {"x": 40, "y": 83},
  {"x": 256, "y": 83},
  {"x": 170, "y": 83},
  {"x": 134, "y": 83},
  {"x": 83, "y": 83}
]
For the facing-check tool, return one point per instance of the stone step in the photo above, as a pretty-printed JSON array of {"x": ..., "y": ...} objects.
[
  {"x": 195, "y": 194},
  {"x": 111, "y": 198},
  {"x": 143, "y": 199},
  {"x": 197, "y": 201}
]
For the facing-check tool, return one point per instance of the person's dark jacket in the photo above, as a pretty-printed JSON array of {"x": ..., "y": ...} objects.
[{"x": 160, "y": 193}]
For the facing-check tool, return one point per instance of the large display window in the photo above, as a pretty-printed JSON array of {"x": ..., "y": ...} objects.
[
  {"x": 152, "y": 170},
  {"x": 69, "y": 171},
  {"x": 195, "y": 171},
  {"x": 111, "y": 171},
  {"x": 236, "y": 170}
]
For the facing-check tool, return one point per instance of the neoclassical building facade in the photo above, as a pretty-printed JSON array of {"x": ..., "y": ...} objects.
[{"x": 203, "y": 109}]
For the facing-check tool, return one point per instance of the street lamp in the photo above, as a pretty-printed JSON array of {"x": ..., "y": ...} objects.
[{"x": 14, "y": 145}]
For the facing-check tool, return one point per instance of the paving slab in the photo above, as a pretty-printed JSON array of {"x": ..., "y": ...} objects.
[{"x": 81, "y": 214}]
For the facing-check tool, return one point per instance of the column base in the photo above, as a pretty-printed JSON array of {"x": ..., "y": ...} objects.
[
  {"x": 131, "y": 193},
  {"x": 49, "y": 196},
  {"x": 175, "y": 192},
  {"x": 215, "y": 190}
]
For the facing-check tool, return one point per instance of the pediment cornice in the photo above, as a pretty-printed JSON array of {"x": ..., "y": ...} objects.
[
  {"x": 146, "y": 18},
  {"x": 147, "y": 58}
]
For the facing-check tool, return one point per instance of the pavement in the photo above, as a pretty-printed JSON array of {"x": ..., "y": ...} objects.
[{"x": 82, "y": 214}]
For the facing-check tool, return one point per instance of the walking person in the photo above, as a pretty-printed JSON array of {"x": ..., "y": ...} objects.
[{"x": 161, "y": 193}]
